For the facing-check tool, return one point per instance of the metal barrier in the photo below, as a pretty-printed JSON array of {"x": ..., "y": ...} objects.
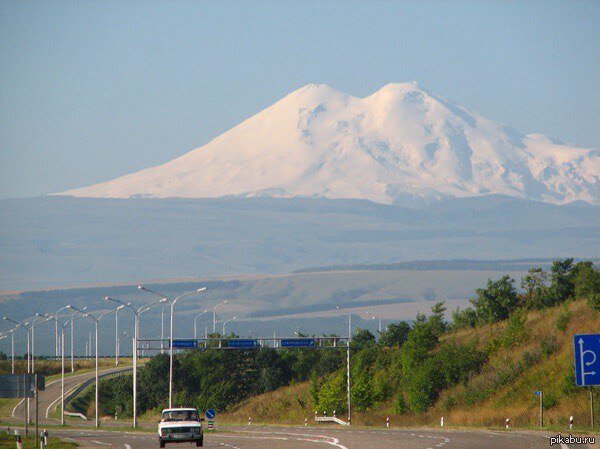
[{"x": 73, "y": 393}]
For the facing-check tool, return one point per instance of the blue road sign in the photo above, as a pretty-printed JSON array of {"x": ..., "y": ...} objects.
[
  {"x": 587, "y": 359},
  {"x": 298, "y": 343},
  {"x": 210, "y": 414},
  {"x": 185, "y": 344},
  {"x": 537, "y": 393},
  {"x": 245, "y": 343}
]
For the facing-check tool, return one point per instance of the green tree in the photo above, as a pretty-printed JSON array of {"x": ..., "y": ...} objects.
[
  {"x": 562, "y": 282},
  {"x": 423, "y": 386},
  {"x": 535, "y": 288},
  {"x": 464, "y": 318},
  {"x": 594, "y": 301},
  {"x": 586, "y": 280},
  {"x": 421, "y": 340},
  {"x": 395, "y": 335},
  {"x": 362, "y": 338},
  {"x": 436, "y": 319},
  {"x": 332, "y": 394},
  {"x": 497, "y": 301}
]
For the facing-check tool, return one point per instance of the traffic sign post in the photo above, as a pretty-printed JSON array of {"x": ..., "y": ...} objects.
[
  {"x": 540, "y": 394},
  {"x": 23, "y": 386},
  {"x": 587, "y": 364},
  {"x": 210, "y": 416}
]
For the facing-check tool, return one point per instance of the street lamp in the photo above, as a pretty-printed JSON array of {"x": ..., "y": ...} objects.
[
  {"x": 22, "y": 325},
  {"x": 56, "y": 341},
  {"x": 12, "y": 346},
  {"x": 373, "y": 317},
  {"x": 117, "y": 345},
  {"x": 348, "y": 402},
  {"x": 215, "y": 315},
  {"x": 73, "y": 339},
  {"x": 162, "y": 328},
  {"x": 136, "y": 325},
  {"x": 62, "y": 363},
  {"x": 33, "y": 323},
  {"x": 172, "y": 303},
  {"x": 96, "y": 321},
  {"x": 195, "y": 323},
  {"x": 225, "y": 322}
]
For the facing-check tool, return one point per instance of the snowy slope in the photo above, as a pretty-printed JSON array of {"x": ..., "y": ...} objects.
[{"x": 399, "y": 144}]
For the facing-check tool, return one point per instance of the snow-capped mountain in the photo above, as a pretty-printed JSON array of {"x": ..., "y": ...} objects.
[{"x": 398, "y": 144}]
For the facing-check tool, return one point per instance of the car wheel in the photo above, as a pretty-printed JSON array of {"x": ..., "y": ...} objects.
[{"x": 162, "y": 443}]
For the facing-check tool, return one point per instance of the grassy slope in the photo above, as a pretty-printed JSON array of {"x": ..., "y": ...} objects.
[{"x": 513, "y": 399}]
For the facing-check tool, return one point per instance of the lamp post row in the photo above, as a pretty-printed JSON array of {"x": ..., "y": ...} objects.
[{"x": 60, "y": 340}]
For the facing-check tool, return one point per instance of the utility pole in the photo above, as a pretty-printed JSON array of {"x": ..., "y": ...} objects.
[
  {"x": 541, "y": 409},
  {"x": 592, "y": 407},
  {"x": 348, "y": 366}
]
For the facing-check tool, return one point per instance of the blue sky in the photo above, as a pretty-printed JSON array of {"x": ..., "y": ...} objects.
[{"x": 90, "y": 90}]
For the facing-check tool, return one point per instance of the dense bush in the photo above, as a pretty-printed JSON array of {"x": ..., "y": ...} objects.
[{"x": 216, "y": 379}]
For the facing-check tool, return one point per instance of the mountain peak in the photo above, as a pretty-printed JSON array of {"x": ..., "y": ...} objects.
[{"x": 399, "y": 144}]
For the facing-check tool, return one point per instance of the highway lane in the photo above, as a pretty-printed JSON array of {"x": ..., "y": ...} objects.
[
  {"x": 325, "y": 438},
  {"x": 50, "y": 398}
]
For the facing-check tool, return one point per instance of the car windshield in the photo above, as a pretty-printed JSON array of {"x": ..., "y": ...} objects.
[{"x": 180, "y": 415}]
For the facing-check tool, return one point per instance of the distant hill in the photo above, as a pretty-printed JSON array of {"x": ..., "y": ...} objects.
[{"x": 60, "y": 241}]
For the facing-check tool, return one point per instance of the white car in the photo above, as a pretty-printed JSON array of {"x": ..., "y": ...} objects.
[{"x": 179, "y": 425}]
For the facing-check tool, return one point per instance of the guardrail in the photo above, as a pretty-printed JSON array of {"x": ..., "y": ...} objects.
[
  {"x": 330, "y": 419},
  {"x": 73, "y": 393}
]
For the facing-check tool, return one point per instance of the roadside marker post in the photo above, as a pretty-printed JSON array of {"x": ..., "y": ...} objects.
[
  {"x": 570, "y": 422},
  {"x": 442, "y": 422},
  {"x": 507, "y": 423},
  {"x": 387, "y": 422}
]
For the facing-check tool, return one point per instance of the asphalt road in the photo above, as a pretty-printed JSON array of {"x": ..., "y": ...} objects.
[
  {"x": 49, "y": 399},
  {"x": 324, "y": 437}
]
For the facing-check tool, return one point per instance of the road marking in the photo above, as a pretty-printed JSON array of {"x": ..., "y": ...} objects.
[
  {"x": 101, "y": 443},
  {"x": 15, "y": 409},
  {"x": 127, "y": 446},
  {"x": 52, "y": 404}
]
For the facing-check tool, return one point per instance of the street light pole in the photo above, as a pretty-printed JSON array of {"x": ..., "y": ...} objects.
[
  {"x": 348, "y": 366},
  {"x": 62, "y": 363},
  {"x": 225, "y": 322},
  {"x": 136, "y": 315},
  {"x": 195, "y": 323},
  {"x": 95, "y": 320},
  {"x": 215, "y": 315},
  {"x": 12, "y": 350},
  {"x": 172, "y": 304},
  {"x": 162, "y": 328},
  {"x": 23, "y": 325}
]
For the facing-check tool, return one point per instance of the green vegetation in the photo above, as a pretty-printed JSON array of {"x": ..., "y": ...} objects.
[
  {"x": 8, "y": 442},
  {"x": 483, "y": 364},
  {"x": 215, "y": 379}
]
